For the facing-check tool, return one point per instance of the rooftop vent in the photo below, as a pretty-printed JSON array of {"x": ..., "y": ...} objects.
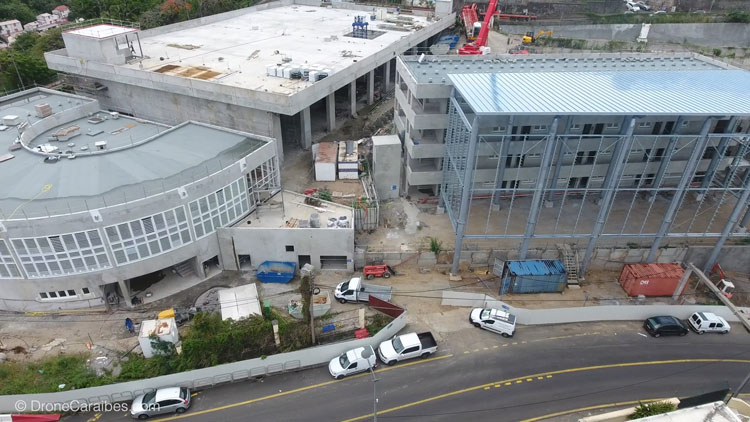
[{"x": 100, "y": 145}]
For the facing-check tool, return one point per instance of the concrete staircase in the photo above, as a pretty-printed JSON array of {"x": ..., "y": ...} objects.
[{"x": 185, "y": 268}]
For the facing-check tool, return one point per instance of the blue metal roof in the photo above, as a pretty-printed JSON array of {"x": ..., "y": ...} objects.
[
  {"x": 536, "y": 267},
  {"x": 694, "y": 92}
]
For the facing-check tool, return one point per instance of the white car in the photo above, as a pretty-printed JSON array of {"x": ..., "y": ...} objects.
[
  {"x": 494, "y": 320},
  {"x": 353, "y": 361},
  {"x": 158, "y": 402},
  {"x": 707, "y": 322}
]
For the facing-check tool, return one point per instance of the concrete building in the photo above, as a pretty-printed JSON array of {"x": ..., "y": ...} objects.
[
  {"x": 11, "y": 27},
  {"x": 92, "y": 200},
  {"x": 223, "y": 69},
  {"x": 574, "y": 148},
  {"x": 61, "y": 12}
]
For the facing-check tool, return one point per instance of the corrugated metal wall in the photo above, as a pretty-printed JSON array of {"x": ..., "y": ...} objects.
[{"x": 534, "y": 276}]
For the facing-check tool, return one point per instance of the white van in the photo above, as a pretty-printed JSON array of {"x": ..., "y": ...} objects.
[
  {"x": 352, "y": 362},
  {"x": 707, "y": 322},
  {"x": 494, "y": 320}
]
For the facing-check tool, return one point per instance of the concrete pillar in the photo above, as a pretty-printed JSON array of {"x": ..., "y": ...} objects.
[
  {"x": 371, "y": 87},
  {"x": 331, "y": 111},
  {"x": 277, "y": 134},
  {"x": 125, "y": 290},
  {"x": 388, "y": 75},
  {"x": 305, "y": 124},
  {"x": 353, "y": 97},
  {"x": 745, "y": 219},
  {"x": 681, "y": 285}
]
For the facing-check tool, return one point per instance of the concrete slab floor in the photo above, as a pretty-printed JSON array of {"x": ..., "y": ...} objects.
[{"x": 240, "y": 48}]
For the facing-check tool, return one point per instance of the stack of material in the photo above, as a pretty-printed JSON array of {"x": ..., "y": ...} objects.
[
  {"x": 66, "y": 133},
  {"x": 43, "y": 110},
  {"x": 348, "y": 161},
  {"x": 325, "y": 161}
]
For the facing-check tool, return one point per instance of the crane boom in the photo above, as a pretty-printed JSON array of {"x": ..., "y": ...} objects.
[{"x": 481, "y": 41}]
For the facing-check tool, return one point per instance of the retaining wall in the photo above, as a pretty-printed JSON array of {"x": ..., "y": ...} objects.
[{"x": 206, "y": 377}]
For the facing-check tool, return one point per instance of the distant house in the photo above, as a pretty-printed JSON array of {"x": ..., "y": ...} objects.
[
  {"x": 31, "y": 26},
  {"x": 8, "y": 28},
  {"x": 61, "y": 11},
  {"x": 45, "y": 21}
]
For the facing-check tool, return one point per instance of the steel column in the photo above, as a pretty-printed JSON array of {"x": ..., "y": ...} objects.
[
  {"x": 503, "y": 156},
  {"x": 615, "y": 153},
  {"x": 558, "y": 162},
  {"x": 468, "y": 185},
  {"x": 541, "y": 183},
  {"x": 733, "y": 218},
  {"x": 609, "y": 188},
  {"x": 306, "y": 126},
  {"x": 687, "y": 176},
  {"x": 721, "y": 150},
  {"x": 666, "y": 157}
]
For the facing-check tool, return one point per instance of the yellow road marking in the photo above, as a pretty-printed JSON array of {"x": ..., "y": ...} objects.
[
  {"x": 515, "y": 342},
  {"x": 95, "y": 417},
  {"x": 508, "y": 383},
  {"x": 495, "y": 346},
  {"x": 476, "y": 350},
  {"x": 486, "y": 348},
  {"x": 548, "y": 375},
  {"x": 529, "y": 379},
  {"x": 497, "y": 385},
  {"x": 584, "y": 409},
  {"x": 540, "y": 378},
  {"x": 519, "y": 381},
  {"x": 298, "y": 390},
  {"x": 467, "y": 352},
  {"x": 486, "y": 388},
  {"x": 505, "y": 345}
]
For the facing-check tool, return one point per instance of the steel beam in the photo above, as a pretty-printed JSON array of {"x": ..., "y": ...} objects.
[
  {"x": 468, "y": 183},
  {"x": 687, "y": 176},
  {"x": 733, "y": 218},
  {"x": 541, "y": 182},
  {"x": 617, "y": 165},
  {"x": 558, "y": 162},
  {"x": 666, "y": 157}
]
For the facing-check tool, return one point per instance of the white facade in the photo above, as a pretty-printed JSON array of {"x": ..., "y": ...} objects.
[{"x": 8, "y": 28}]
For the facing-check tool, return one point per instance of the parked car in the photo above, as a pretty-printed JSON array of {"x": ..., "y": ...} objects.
[
  {"x": 407, "y": 346},
  {"x": 353, "y": 361},
  {"x": 707, "y": 322},
  {"x": 355, "y": 290},
  {"x": 494, "y": 320},
  {"x": 643, "y": 5},
  {"x": 665, "y": 326},
  {"x": 158, "y": 402}
]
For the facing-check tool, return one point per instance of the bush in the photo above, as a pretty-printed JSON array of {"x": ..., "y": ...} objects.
[
  {"x": 377, "y": 322},
  {"x": 47, "y": 375},
  {"x": 738, "y": 16},
  {"x": 650, "y": 409}
]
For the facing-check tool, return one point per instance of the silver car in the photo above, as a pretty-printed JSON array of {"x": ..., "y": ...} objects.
[{"x": 163, "y": 400}]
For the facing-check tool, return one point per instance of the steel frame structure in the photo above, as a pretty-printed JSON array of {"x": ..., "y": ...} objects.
[{"x": 706, "y": 199}]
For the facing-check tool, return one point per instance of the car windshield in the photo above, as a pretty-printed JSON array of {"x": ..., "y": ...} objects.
[
  {"x": 149, "y": 398},
  {"x": 397, "y": 346},
  {"x": 344, "y": 361},
  {"x": 485, "y": 314},
  {"x": 344, "y": 286}
]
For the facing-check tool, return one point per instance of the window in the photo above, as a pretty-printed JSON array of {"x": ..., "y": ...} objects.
[
  {"x": 60, "y": 294},
  {"x": 685, "y": 123},
  {"x": 264, "y": 179},
  {"x": 8, "y": 267},
  {"x": 498, "y": 129},
  {"x": 85, "y": 291},
  {"x": 540, "y": 127},
  {"x": 410, "y": 350},
  {"x": 219, "y": 209},
  {"x": 290, "y": 248},
  {"x": 58, "y": 255},
  {"x": 149, "y": 236},
  {"x": 644, "y": 124},
  {"x": 612, "y": 125},
  {"x": 575, "y": 127}
]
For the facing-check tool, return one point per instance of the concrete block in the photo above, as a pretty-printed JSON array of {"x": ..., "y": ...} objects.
[
  {"x": 551, "y": 254},
  {"x": 613, "y": 266},
  {"x": 618, "y": 254},
  {"x": 632, "y": 253},
  {"x": 439, "y": 210},
  {"x": 499, "y": 254},
  {"x": 371, "y": 258},
  {"x": 548, "y": 204},
  {"x": 633, "y": 259}
]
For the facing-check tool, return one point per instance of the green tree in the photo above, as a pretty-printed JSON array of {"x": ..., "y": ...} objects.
[
  {"x": 49, "y": 41},
  {"x": 650, "y": 409},
  {"x": 14, "y": 9},
  {"x": 25, "y": 42}
]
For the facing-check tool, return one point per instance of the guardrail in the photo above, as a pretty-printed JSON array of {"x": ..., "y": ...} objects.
[
  {"x": 101, "y": 21},
  {"x": 200, "y": 378}
]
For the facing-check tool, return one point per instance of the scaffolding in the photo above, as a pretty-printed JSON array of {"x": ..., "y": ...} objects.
[{"x": 594, "y": 189}]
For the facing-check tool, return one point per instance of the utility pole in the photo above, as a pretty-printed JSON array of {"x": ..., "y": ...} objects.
[
  {"x": 312, "y": 306},
  {"x": 742, "y": 385},
  {"x": 366, "y": 354}
]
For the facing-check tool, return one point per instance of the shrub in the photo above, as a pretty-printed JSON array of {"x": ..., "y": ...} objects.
[{"x": 650, "y": 409}]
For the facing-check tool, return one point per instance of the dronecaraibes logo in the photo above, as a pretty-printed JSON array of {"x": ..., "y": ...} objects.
[{"x": 73, "y": 406}]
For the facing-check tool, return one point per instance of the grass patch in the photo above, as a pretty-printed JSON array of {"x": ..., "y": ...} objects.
[
  {"x": 636, "y": 18},
  {"x": 45, "y": 376},
  {"x": 376, "y": 323}
]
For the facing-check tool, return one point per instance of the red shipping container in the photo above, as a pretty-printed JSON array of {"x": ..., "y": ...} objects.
[{"x": 651, "y": 279}]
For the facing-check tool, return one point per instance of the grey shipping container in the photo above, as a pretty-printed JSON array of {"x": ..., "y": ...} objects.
[{"x": 533, "y": 276}]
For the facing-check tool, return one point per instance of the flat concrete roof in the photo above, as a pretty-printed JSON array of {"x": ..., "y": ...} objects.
[
  {"x": 237, "y": 50},
  {"x": 102, "y": 31},
  {"x": 435, "y": 69},
  {"x": 286, "y": 209},
  {"x": 148, "y": 152}
]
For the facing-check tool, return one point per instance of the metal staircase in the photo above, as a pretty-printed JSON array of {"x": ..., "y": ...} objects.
[{"x": 570, "y": 261}]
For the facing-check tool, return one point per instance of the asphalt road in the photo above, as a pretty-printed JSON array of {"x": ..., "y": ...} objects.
[{"x": 541, "y": 371}]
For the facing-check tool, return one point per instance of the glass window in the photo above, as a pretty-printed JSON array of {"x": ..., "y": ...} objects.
[
  {"x": 43, "y": 295},
  {"x": 8, "y": 267},
  {"x": 85, "y": 290}
]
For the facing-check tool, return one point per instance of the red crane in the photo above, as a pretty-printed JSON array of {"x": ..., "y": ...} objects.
[{"x": 476, "y": 46}]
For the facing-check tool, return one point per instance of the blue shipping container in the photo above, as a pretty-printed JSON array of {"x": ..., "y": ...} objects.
[
  {"x": 276, "y": 271},
  {"x": 533, "y": 276}
]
